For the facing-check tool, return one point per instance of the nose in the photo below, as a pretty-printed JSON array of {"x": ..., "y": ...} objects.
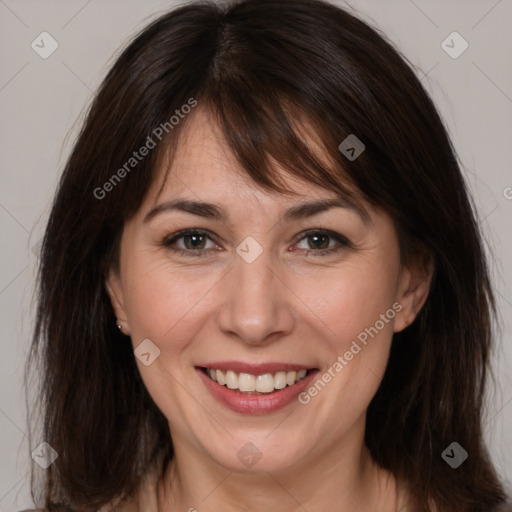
[{"x": 256, "y": 303}]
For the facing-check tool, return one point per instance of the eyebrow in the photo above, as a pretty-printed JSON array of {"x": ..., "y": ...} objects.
[{"x": 296, "y": 212}]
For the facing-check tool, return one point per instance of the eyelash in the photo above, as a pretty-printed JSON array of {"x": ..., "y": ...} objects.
[{"x": 343, "y": 243}]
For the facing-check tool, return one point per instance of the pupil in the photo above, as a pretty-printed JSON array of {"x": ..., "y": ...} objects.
[
  {"x": 316, "y": 237},
  {"x": 195, "y": 238}
]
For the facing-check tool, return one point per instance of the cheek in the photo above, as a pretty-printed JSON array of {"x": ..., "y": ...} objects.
[
  {"x": 356, "y": 312},
  {"x": 167, "y": 306},
  {"x": 352, "y": 299},
  {"x": 163, "y": 302}
]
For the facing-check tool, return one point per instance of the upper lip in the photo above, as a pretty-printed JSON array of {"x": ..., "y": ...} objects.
[{"x": 254, "y": 369}]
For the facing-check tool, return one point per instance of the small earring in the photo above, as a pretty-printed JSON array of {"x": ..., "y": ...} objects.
[
  {"x": 406, "y": 321},
  {"x": 120, "y": 327}
]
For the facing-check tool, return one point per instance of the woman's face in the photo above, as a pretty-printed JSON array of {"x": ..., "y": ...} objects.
[{"x": 257, "y": 297}]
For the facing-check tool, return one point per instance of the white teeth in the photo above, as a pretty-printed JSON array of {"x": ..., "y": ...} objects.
[
  {"x": 220, "y": 378},
  {"x": 301, "y": 374},
  {"x": 280, "y": 380},
  {"x": 290, "y": 378},
  {"x": 246, "y": 382},
  {"x": 231, "y": 379},
  {"x": 265, "y": 383}
]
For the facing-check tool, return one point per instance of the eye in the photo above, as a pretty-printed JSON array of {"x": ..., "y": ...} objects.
[
  {"x": 195, "y": 241},
  {"x": 320, "y": 242}
]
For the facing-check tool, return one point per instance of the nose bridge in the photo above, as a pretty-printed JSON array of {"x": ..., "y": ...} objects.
[{"x": 255, "y": 305}]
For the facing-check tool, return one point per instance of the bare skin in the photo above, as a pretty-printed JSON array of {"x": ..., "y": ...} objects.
[{"x": 288, "y": 305}]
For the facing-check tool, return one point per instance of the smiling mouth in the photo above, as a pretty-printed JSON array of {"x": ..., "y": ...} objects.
[{"x": 249, "y": 384}]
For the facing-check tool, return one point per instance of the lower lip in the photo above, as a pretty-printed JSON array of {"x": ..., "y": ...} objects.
[{"x": 255, "y": 404}]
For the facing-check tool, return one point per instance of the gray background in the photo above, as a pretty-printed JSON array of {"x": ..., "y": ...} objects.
[{"x": 42, "y": 102}]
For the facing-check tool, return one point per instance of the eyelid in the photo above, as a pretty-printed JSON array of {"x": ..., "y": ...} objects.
[
  {"x": 170, "y": 239},
  {"x": 337, "y": 236}
]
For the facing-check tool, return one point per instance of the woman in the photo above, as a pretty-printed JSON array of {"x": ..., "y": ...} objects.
[{"x": 262, "y": 282}]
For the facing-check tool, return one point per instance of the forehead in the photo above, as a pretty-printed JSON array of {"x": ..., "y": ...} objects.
[
  {"x": 203, "y": 167},
  {"x": 204, "y": 161}
]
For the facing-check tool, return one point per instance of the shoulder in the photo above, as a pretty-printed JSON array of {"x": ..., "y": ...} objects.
[{"x": 143, "y": 500}]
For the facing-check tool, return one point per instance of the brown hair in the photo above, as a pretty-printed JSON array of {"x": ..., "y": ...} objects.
[{"x": 255, "y": 65}]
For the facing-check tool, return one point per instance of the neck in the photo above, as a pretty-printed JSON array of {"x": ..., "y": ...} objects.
[{"x": 344, "y": 477}]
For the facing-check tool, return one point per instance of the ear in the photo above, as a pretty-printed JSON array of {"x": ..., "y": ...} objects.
[
  {"x": 115, "y": 292},
  {"x": 414, "y": 287}
]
